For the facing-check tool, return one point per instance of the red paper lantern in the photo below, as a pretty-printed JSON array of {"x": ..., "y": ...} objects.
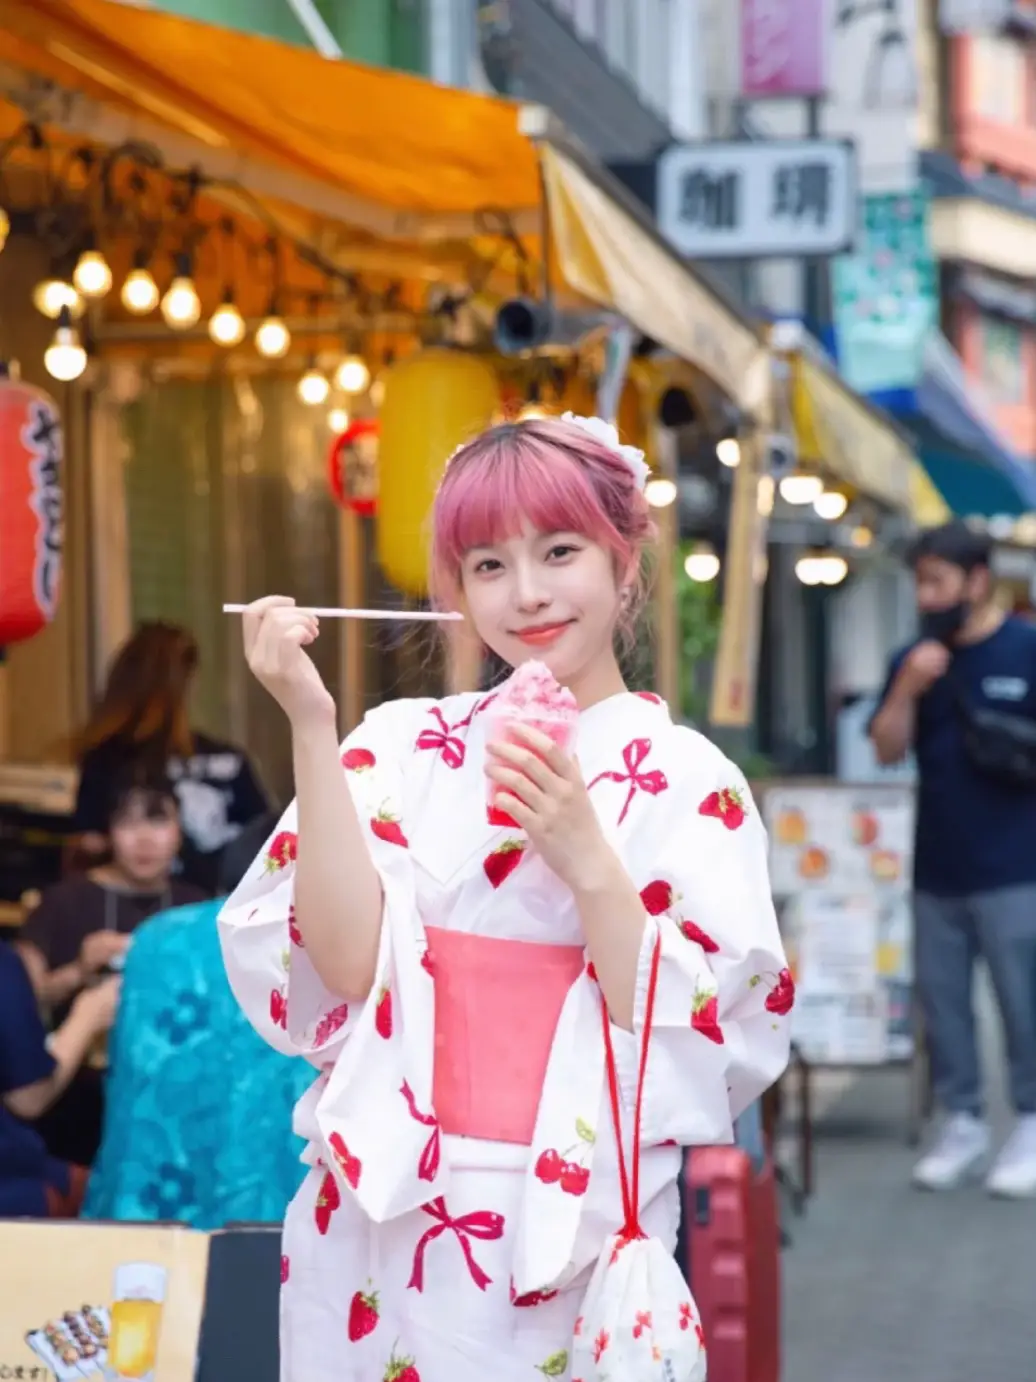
[
  {"x": 353, "y": 467},
  {"x": 31, "y": 510}
]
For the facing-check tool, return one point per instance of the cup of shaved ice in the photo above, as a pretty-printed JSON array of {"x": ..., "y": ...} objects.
[{"x": 532, "y": 696}]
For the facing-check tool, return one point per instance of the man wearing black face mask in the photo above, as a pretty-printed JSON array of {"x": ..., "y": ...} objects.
[{"x": 975, "y": 854}]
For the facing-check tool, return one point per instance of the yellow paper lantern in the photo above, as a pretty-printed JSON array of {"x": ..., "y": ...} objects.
[{"x": 434, "y": 401}]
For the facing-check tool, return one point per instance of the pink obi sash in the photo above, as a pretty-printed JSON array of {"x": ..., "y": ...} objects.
[{"x": 497, "y": 1004}]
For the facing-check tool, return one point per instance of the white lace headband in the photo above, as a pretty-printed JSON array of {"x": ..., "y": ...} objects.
[{"x": 607, "y": 434}]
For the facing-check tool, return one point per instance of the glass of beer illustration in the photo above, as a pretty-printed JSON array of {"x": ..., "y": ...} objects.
[{"x": 136, "y": 1317}]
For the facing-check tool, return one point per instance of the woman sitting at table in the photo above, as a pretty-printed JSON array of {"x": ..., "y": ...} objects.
[
  {"x": 81, "y": 929},
  {"x": 34, "y": 1071}
]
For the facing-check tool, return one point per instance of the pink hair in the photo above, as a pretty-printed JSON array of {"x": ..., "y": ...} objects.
[{"x": 555, "y": 476}]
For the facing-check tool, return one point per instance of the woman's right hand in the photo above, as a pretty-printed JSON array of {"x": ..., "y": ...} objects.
[{"x": 276, "y": 635}]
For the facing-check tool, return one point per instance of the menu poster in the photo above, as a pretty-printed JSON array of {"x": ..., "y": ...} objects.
[
  {"x": 111, "y": 1302},
  {"x": 840, "y": 871}
]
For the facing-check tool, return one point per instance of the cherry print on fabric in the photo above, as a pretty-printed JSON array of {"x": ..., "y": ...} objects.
[
  {"x": 279, "y": 1009},
  {"x": 726, "y": 805},
  {"x": 349, "y": 1165},
  {"x": 642, "y": 1322},
  {"x": 705, "y": 1017},
  {"x": 363, "y": 1314},
  {"x": 331, "y": 1023},
  {"x": 385, "y": 826},
  {"x": 294, "y": 934},
  {"x": 358, "y": 760},
  {"x": 601, "y": 1345},
  {"x": 699, "y": 937},
  {"x": 285, "y": 1268},
  {"x": 484, "y": 1224},
  {"x": 555, "y": 1365},
  {"x": 557, "y": 1168},
  {"x": 651, "y": 697},
  {"x": 503, "y": 861},
  {"x": 383, "y": 1013},
  {"x": 400, "y": 1370},
  {"x": 781, "y": 998},
  {"x": 428, "y": 1166},
  {"x": 284, "y": 849},
  {"x": 652, "y": 782},
  {"x": 530, "y": 1298},
  {"x": 328, "y": 1200},
  {"x": 657, "y": 897}
]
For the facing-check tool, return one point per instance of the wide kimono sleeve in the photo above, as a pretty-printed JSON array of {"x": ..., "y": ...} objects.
[
  {"x": 721, "y": 1028},
  {"x": 270, "y": 973}
]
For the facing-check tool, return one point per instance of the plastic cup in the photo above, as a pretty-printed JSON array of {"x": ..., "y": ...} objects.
[{"x": 499, "y": 724}]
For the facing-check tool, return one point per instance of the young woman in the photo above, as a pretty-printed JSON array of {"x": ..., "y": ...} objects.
[
  {"x": 446, "y": 976},
  {"x": 82, "y": 928},
  {"x": 142, "y": 723}
]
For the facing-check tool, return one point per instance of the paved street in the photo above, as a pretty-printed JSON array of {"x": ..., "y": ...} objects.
[{"x": 885, "y": 1284}]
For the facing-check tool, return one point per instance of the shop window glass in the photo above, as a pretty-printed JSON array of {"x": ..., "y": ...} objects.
[{"x": 1003, "y": 360}]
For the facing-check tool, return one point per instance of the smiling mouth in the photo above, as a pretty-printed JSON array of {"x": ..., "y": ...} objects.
[{"x": 542, "y": 634}]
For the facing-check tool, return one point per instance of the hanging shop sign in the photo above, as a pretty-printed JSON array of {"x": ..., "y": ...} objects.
[
  {"x": 782, "y": 48},
  {"x": 31, "y": 510},
  {"x": 781, "y": 198},
  {"x": 886, "y": 294},
  {"x": 353, "y": 467}
]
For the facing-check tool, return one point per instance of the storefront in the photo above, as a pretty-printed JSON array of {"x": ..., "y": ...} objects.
[{"x": 280, "y": 236}]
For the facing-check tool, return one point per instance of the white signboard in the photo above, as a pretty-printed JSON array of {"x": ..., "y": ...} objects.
[
  {"x": 840, "y": 870},
  {"x": 749, "y": 200}
]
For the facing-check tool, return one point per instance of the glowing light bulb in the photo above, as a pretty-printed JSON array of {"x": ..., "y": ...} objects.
[
  {"x": 55, "y": 294},
  {"x": 338, "y": 420},
  {"x": 808, "y": 570},
  {"x": 532, "y": 412},
  {"x": 830, "y": 505},
  {"x": 353, "y": 375},
  {"x": 728, "y": 452},
  {"x": 702, "y": 564},
  {"x": 181, "y": 305},
  {"x": 801, "y": 489},
  {"x": 5, "y": 227},
  {"x": 140, "y": 292},
  {"x": 861, "y": 536},
  {"x": 833, "y": 569},
  {"x": 227, "y": 325},
  {"x": 313, "y": 387},
  {"x": 65, "y": 358},
  {"x": 92, "y": 275},
  {"x": 660, "y": 492},
  {"x": 272, "y": 338}
]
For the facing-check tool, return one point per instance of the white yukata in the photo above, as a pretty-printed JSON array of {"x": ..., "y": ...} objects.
[{"x": 411, "y": 1255}]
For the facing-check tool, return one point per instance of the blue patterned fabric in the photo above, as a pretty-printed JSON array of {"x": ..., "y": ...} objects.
[{"x": 198, "y": 1109}]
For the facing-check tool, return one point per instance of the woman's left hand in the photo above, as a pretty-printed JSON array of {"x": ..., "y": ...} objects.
[{"x": 543, "y": 790}]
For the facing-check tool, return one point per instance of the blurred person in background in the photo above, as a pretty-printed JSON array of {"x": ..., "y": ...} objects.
[
  {"x": 81, "y": 928},
  {"x": 963, "y": 698},
  {"x": 35, "y": 1069},
  {"x": 143, "y": 721},
  {"x": 188, "y": 1074}
]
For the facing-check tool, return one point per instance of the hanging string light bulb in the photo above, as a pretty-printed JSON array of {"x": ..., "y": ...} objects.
[
  {"x": 313, "y": 387},
  {"x": 353, "y": 376},
  {"x": 272, "y": 338},
  {"x": 65, "y": 358},
  {"x": 181, "y": 306},
  {"x": 5, "y": 227},
  {"x": 140, "y": 291},
  {"x": 54, "y": 295},
  {"x": 92, "y": 275},
  {"x": 227, "y": 325}
]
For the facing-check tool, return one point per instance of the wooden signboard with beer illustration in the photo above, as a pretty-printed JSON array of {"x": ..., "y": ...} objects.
[
  {"x": 111, "y": 1302},
  {"x": 840, "y": 868}
]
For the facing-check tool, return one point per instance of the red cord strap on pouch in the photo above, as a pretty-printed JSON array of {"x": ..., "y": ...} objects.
[{"x": 631, "y": 1186}]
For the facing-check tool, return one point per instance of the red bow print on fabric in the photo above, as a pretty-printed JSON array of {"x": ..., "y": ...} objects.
[
  {"x": 483, "y": 1224},
  {"x": 428, "y": 1166},
  {"x": 444, "y": 740},
  {"x": 652, "y": 782}
]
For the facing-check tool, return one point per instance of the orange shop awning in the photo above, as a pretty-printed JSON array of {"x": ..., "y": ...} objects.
[{"x": 390, "y": 154}]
